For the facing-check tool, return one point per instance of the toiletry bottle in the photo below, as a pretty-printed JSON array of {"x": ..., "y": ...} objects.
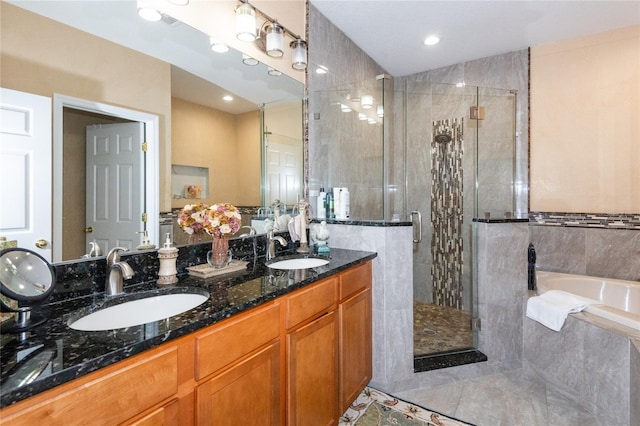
[
  {"x": 329, "y": 214},
  {"x": 336, "y": 203},
  {"x": 167, "y": 255},
  {"x": 346, "y": 201},
  {"x": 321, "y": 206}
]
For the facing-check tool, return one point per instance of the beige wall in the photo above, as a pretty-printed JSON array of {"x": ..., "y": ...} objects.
[
  {"x": 585, "y": 124},
  {"x": 42, "y": 56},
  {"x": 228, "y": 145}
]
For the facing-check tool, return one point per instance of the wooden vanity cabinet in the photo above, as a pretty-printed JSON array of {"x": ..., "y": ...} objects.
[
  {"x": 312, "y": 350},
  {"x": 298, "y": 360},
  {"x": 355, "y": 333},
  {"x": 240, "y": 362},
  {"x": 328, "y": 354}
]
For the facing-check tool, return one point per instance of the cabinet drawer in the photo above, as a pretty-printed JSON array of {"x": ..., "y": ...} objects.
[
  {"x": 235, "y": 338},
  {"x": 355, "y": 279},
  {"x": 310, "y": 301},
  {"x": 111, "y": 396}
]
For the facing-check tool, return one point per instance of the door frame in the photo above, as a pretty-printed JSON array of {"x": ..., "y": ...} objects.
[{"x": 151, "y": 176}]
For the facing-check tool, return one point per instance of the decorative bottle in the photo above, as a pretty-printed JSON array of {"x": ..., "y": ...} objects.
[{"x": 168, "y": 255}]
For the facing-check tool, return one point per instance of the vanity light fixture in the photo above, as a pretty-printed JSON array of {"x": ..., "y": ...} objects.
[
  {"x": 380, "y": 111},
  {"x": 274, "y": 72},
  {"x": 366, "y": 101},
  {"x": 432, "y": 40},
  {"x": 218, "y": 46},
  {"x": 371, "y": 121},
  {"x": 460, "y": 84},
  {"x": 345, "y": 108},
  {"x": 362, "y": 116},
  {"x": 148, "y": 13},
  {"x": 299, "y": 54},
  {"x": 275, "y": 40},
  {"x": 321, "y": 69},
  {"x": 248, "y": 60},
  {"x": 245, "y": 22},
  {"x": 270, "y": 37}
]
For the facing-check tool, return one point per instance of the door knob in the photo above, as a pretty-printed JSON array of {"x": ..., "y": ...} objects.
[
  {"x": 88, "y": 230},
  {"x": 41, "y": 243}
]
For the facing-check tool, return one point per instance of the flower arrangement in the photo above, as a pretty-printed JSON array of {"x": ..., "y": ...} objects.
[
  {"x": 222, "y": 220},
  {"x": 191, "y": 218}
]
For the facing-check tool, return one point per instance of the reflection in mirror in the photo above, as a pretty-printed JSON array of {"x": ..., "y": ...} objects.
[{"x": 243, "y": 178}]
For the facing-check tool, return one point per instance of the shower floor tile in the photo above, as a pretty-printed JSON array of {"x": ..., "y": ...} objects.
[{"x": 440, "y": 329}]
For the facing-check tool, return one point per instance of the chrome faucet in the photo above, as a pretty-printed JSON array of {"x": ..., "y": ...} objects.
[
  {"x": 252, "y": 231},
  {"x": 117, "y": 270},
  {"x": 271, "y": 244}
]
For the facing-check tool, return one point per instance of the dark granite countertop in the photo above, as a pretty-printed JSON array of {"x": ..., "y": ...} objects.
[{"x": 68, "y": 354}]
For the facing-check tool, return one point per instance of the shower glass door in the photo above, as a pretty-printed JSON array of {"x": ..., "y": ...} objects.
[{"x": 459, "y": 159}]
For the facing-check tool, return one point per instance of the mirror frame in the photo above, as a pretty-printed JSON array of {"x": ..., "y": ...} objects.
[{"x": 151, "y": 173}]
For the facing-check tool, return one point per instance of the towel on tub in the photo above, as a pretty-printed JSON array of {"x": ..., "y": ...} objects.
[{"x": 552, "y": 307}]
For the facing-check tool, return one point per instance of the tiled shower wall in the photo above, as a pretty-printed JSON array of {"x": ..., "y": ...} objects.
[
  {"x": 446, "y": 212},
  {"x": 427, "y": 100}
]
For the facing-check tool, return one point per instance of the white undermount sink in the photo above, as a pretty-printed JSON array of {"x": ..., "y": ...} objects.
[
  {"x": 137, "y": 312},
  {"x": 298, "y": 263}
]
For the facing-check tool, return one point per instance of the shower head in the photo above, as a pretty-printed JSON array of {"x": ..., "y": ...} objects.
[{"x": 442, "y": 138}]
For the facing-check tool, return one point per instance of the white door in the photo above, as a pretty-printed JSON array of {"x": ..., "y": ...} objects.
[
  {"x": 114, "y": 185},
  {"x": 284, "y": 173},
  {"x": 25, "y": 170}
]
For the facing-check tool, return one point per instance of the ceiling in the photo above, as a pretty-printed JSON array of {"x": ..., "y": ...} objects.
[
  {"x": 198, "y": 75},
  {"x": 392, "y": 31}
]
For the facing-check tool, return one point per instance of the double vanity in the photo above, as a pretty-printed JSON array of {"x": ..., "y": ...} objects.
[{"x": 268, "y": 346}]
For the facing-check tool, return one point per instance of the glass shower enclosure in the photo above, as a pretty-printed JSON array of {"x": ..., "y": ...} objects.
[{"x": 442, "y": 152}]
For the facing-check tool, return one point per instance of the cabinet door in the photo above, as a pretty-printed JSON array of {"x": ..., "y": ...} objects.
[
  {"x": 312, "y": 383},
  {"x": 167, "y": 415},
  {"x": 248, "y": 393},
  {"x": 355, "y": 346}
]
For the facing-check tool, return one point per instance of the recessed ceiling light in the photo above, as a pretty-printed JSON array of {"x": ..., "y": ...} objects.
[
  {"x": 147, "y": 12},
  {"x": 227, "y": 98},
  {"x": 432, "y": 40},
  {"x": 218, "y": 46}
]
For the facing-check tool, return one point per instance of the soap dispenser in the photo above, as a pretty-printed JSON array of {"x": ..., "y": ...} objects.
[
  {"x": 168, "y": 255},
  {"x": 146, "y": 244}
]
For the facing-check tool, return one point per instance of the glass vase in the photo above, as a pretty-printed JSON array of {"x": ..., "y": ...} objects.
[{"x": 219, "y": 256}]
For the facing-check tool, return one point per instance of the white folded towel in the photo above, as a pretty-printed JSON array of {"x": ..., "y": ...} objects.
[{"x": 552, "y": 307}]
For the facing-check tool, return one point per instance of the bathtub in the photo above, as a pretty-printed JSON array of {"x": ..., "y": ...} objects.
[{"x": 617, "y": 300}]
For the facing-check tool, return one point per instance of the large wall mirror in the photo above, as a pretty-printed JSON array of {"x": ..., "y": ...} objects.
[{"x": 166, "y": 69}]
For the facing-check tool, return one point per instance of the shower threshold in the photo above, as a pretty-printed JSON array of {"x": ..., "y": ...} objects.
[{"x": 447, "y": 359}]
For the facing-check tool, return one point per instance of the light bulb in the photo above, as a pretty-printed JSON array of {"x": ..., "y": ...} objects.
[
  {"x": 245, "y": 22},
  {"x": 298, "y": 54},
  {"x": 275, "y": 40}
]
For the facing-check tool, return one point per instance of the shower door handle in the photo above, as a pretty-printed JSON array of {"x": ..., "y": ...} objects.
[{"x": 417, "y": 214}]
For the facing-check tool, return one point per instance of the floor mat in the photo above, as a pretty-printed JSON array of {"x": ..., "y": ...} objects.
[{"x": 373, "y": 407}]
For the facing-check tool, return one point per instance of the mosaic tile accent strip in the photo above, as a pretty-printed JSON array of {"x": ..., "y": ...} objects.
[
  {"x": 586, "y": 220},
  {"x": 447, "y": 211}
]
